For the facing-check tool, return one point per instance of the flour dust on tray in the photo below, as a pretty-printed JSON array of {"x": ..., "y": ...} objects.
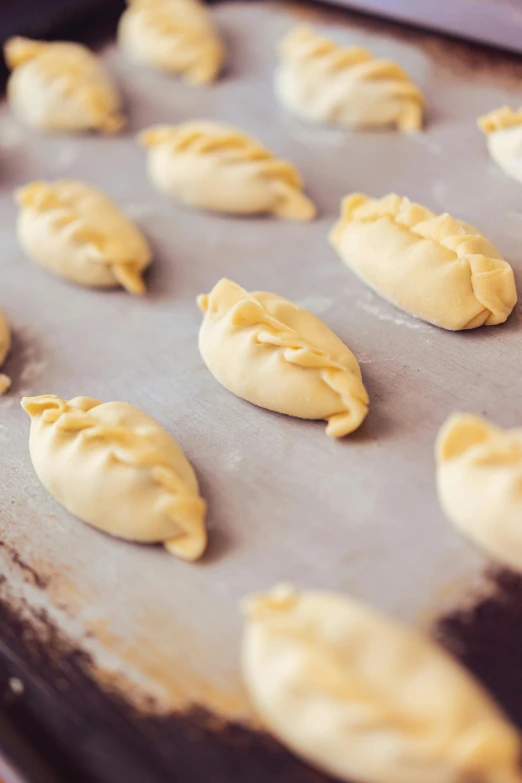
[{"x": 115, "y": 468}]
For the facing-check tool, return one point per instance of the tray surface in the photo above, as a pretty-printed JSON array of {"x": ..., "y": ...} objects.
[{"x": 285, "y": 502}]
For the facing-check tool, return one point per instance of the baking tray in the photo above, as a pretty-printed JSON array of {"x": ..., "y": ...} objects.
[{"x": 127, "y": 657}]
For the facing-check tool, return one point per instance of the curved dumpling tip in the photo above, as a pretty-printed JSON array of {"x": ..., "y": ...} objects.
[
  {"x": 459, "y": 433},
  {"x": 76, "y": 231},
  {"x": 213, "y": 166},
  {"x": 279, "y": 356},
  {"x": 115, "y": 468},
  {"x": 5, "y": 345},
  {"x": 19, "y": 50},
  {"x": 500, "y": 119},
  {"x": 435, "y": 267}
]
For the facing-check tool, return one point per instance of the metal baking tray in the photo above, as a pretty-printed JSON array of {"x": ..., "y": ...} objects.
[{"x": 126, "y": 659}]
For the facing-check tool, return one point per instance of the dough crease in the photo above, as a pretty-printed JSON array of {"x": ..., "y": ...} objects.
[
  {"x": 321, "y": 81},
  {"x": 366, "y": 700},
  {"x": 115, "y": 468},
  {"x": 257, "y": 355},
  {"x": 435, "y": 267},
  {"x": 172, "y": 35},
  {"x": 213, "y": 166},
  {"x": 479, "y": 481}
]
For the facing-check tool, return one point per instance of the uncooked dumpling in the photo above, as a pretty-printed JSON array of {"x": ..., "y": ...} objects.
[
  {"x": 74, "y": 230},
  {"x": 172, "y": 35},
  {"x": 60, "y": 86},
  {"x": 479, "y": 479},
  {"x": 114, "y": 467},
  {"x": 281, "y": 357},
  {"x": 433, "y": 266},
  {"x": 321, "y": 81},
  {"x": 367, "y": 700},
  {"x": 213, "y": 166},
  {"x": 503, "y": 128},
  {"x": 5, "y": 345}
]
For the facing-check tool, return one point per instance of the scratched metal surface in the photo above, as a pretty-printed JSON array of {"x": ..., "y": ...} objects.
[{"x": 285, "y": 502}]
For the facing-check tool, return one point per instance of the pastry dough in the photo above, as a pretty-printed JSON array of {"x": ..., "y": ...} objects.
[
  {"x": 281, "y": 357},
  {"x": 503, "y": 128},
  {"x": 5, "y": 345},
  {"x": 213, "y": 166},
  {"x": 73, "y": 229},
  {"x": 114, "y": 467},
  {"x": 60, "y": 87},
  {"x": 433, "y": 266},
  {"x": 479, "y": 478},
  {"x": 366, "y": 700},
  {"x": 321, "y": 81},
  {"x": 172, "y": 35}
]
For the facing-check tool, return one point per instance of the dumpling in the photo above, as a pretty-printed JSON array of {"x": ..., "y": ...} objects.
[
  {"x": 479, "y": 480},
  {"x": 366, "y": 700},
  {"x": 5, "y": 345},
  {"x": 433, "y": 266},
  {"x": 172, "y": 35},
  {"x": 74, "y": 230},
  {"x": 281, "y": 357},
  {"x": 503, "y": 128},
  {"x": 60, "y": 86},
  {"x": 213, "y": 166},
  {"x": 115, "y": 468},
  {"x": 321, "y": 81}
]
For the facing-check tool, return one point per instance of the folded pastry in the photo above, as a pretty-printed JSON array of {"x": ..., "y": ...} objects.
[
  {"x": 5, "y": 345},
  {"x": 74, "y": 230},
  {"x": 114, "y": 467},
  {"x": 433, "y": 266},
  {"x": 281, "y": 357},
  {"x": 503, "y": 128},
  {"x": 479, "y": 479},
  {"x": 172, "y": 35},
  {"x": 213, "y": 166},
  {"x": 60, "y": 86},
  {"x": 321, "y": 81},
  {"x": 366, "y": 700}
]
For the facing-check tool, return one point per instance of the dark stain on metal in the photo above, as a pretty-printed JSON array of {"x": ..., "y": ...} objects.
[
  {"x": 36, "y": 578},
  {"x": 487, "y": 639}
]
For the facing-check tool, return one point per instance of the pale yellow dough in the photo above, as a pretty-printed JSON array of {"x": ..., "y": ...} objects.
[
  {"x": 433, "y": 266},
  {"x": 172, "y": 35},
  {"x": 479, "y": 480},
  {"x": 213, "y": 166},
  {"x": 281, "y": 357},
  {"x": 74, "y": 230},
  {"x": 60, "y": 86},
  {"x": 503, "y": 128},
  {"x": 321, "y": 81},
  {"x": 5, "y": 345},
  {"x": 366, "y": 700},
  {"x": 114, "y": 467}
]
